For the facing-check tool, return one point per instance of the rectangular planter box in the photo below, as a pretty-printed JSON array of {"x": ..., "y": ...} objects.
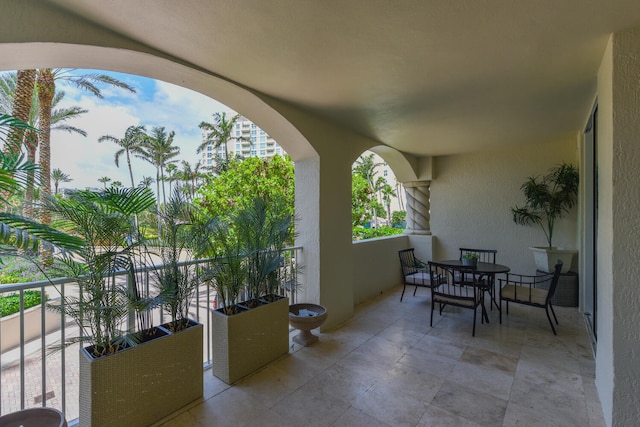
[
  {"x": 143, "y": 384},
  {"x": 247, "y": 341}
]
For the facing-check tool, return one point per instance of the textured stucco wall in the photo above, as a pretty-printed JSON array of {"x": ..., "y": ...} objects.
[
  {"x": 618, "y": 357},
  {"x": 471, "y": 197}
]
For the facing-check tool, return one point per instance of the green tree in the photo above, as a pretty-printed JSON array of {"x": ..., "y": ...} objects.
[
  {"x": 219, "y": 133},
  {"x": 131, "y": 142},
  {"x": 386, "y": 194},
  {"x": 104, "y": 180},
  {"x": 18, "y": 232},
  {"x": 9, "y": 91},
  {"x": 366, "y": 167},
  {"x": 57, "y": 176},
  {"x": 46, "y": 88},
  {"x": 158, "y": 149},
  {"x": 269, "y": 179},
  {"x": 360, "y": 212}
]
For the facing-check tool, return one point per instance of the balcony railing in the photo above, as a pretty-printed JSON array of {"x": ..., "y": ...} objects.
[{"x": 32, "y": 374}]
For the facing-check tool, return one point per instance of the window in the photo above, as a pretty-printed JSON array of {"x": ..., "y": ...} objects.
[
  {"x": 209, "y": 147},
  {"x": 253, "y": 125},
  {"x": 263, "y": 145},
  {"x": 238, "y": 146},
  {"x": 253, "y": 132},
  {"x": 263, "y": 138},
  {"x": 209, "y": 161},
  {"x": 253, "y": 139},
  {"x": 209, "y": 154},
  {"x": 263, "y": 152},
  {"x": 253, "y": 152},
  {"x": 237, "y": 133},
  {"x": 385, "y": 173}
]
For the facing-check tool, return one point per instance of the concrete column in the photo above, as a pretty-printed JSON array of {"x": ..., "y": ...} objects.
[{"x": 418, "y": 207}]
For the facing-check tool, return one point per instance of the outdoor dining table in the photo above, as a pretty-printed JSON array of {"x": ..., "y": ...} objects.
[{"x": 483, "y": 268}]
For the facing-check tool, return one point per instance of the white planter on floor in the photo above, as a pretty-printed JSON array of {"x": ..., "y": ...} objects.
[{"x": 546, "y": 258}]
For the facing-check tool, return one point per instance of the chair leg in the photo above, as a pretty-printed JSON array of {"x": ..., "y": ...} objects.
[
  {"x": 403, "y": 288},
  {"x": 553, "y": 312},
  {"x": 414, "y": 291},
  {"x": 500, "y": 310},
  {"x": 546, "y": 309},
  {"x": 473, "y": 332},
  {"x": 432, "y": 308}
]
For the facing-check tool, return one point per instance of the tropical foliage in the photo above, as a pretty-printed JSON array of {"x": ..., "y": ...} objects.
[
  {"x": 104, "y": 220},
  {"x": 548, "y": 198},
  {"x": 269, "y": 179}
]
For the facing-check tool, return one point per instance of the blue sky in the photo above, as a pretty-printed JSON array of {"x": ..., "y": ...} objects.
[{"x": 156, "y": 103}]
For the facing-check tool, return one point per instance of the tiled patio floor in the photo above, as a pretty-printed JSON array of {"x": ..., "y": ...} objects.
[{"x": 387, "y": 367}]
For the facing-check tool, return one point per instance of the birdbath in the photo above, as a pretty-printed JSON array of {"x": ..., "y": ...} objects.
[
  {"x": 42, "y": 417},
  {"x": 306, "y": 317}
]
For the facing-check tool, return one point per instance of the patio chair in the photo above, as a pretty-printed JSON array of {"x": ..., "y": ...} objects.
[
  {"x": 535, "y": 291},
  {"x": 488, "y": 256},
  {"x": 458, "y": 286},
  {"x": 414, "y": 272}
]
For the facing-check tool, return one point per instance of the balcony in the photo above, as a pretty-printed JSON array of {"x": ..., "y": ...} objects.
[{"x": 385, "y": 366}]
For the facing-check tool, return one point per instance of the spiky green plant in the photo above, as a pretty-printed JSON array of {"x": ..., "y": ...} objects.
[{"x": 548, "y": 198}]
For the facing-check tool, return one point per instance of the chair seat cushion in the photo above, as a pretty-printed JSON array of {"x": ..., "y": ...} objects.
[
  {"x": 418, "y": 279},
  {"x": 521, "y": 293},
  {"x": 446, "y": 299}
]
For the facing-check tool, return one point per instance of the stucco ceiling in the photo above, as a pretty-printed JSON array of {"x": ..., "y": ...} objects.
[{"x": 424, "y": 76}]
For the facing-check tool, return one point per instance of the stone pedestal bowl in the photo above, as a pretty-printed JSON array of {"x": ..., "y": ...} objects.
[
  {"x": 305, "y": 324},
  {"x": 41, "y": 417}
]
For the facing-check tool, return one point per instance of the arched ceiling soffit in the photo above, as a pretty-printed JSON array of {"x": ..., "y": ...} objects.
[
  {"x": 405, "y": 167},
  {"x": 38, "y": 55}
]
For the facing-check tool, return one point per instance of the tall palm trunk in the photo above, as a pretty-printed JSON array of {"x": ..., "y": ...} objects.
[
  {"x": 133, "y": 184},
  {"x": 31, "y": 142},
  {"x": 46, "y": 90},
  {"x": 21, "y": 106}
]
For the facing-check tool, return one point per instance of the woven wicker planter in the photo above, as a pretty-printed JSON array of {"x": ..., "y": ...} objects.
[
  {"x": 142, "y": 385},
  {"x": 247, "y": 341}
]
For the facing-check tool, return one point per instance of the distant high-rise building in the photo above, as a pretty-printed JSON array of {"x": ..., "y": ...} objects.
[{"x": 248, "y": 140}]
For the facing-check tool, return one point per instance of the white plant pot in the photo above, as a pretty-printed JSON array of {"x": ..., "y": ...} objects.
[{"x": 546, "y": 258}]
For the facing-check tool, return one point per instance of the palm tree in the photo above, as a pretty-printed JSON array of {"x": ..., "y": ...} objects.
[
  {"x": 9, "y": 90},
  {"x": 46, "y": 87},
  {"x": 158, "y": 149},
  {"x": 366, "y": 168},
  {"x": 18, "y": 232},
  {"x": 219, "y": 133},
  {"x": 191, "y": 177},
  {"x": 131, "y": 143},
  {"x": 104, "y": 181},
  {"x": 57, "y": 176},
  {"x": 20, "y": 103},
  {"x": 146, "y": 182}
]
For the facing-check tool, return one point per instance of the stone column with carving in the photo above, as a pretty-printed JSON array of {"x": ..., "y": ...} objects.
[{"x": 418, "y": 206}]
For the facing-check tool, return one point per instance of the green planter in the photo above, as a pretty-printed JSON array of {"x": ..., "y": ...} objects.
[
  {"x": 143, "y": 384},
  {"x": 247, "y": 341}
]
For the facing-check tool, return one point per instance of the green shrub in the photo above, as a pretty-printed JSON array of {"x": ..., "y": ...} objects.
[
  {"x": 10, "y": 304},
  {"x": 19, "y": 270},
  {"x": 398, "y": 218},
  {"x": 361, "y": 233}
]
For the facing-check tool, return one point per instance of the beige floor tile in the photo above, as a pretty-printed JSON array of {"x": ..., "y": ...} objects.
[
  {"x": 482, "y": 408},
  {"x": 387, "y": 367},
  {"x": 391, "y": 406},
  {"x": 311, "y": 407},
  {"x": 483, "y": 379},
  {"x": 490, "y": 359},
  {"x": 412, "y": 381},
  {"x": 564, "y": 406},
  {"x": 441, "y": 418},
  {"x": 353, "y": 417}
]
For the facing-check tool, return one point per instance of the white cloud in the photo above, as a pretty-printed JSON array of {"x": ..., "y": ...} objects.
[{"x": 173, "y": 107}]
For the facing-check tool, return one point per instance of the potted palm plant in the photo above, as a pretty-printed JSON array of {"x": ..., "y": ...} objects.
[
  {"x": 121, "y": 362},
  {"x": 547, "y": 199},
  {"x": 251, "y": 327}
]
